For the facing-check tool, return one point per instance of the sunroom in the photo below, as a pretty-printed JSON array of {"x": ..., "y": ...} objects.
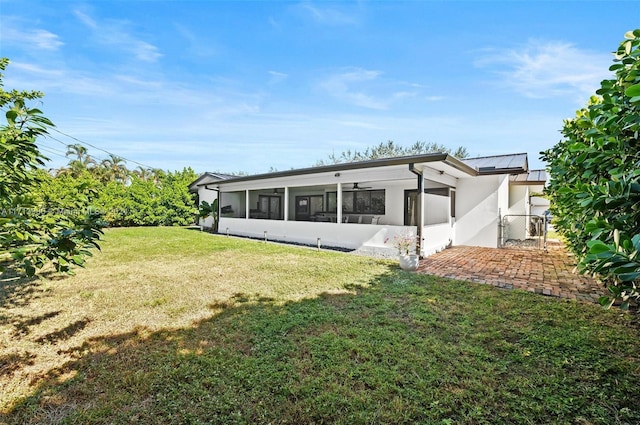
[{"x": 378, "y": 199}]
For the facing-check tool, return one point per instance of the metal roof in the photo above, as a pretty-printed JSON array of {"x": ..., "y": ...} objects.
[
  {"x": 500, "y": 164},
  {"x": 214, "y": 176},
  {"x": 532, "y": 177}
]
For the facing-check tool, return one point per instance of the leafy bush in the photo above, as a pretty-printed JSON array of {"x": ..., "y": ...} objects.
[
  {"x": 595, "y": 178},
  {"x": 32, "y": 234}
]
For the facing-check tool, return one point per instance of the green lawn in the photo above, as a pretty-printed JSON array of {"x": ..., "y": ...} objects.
[{"x": 174, "y": 326}]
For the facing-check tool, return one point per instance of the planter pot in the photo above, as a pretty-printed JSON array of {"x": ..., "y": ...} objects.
[{"x": 409, "y": 262}]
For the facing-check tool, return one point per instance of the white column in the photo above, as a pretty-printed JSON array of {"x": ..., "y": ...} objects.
[
  {"x": 339, "y": 204},
  {"x": 286, "y": 203},
  {"x": 248, "y": 207},
  {"x": 422, "y": 211}
]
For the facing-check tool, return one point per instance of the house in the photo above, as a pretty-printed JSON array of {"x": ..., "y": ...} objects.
[
  {"x": 199, "y": 187},
  {"x": 442, "y": 199},
  {"x": 524, "y": 195}
]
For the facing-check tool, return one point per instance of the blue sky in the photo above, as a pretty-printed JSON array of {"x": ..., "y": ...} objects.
[{"x": 253, "y": 86}]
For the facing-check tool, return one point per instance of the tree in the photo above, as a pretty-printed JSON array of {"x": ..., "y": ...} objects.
[
  {"x": 115, "y": 168},
  {"x": 81, "y": 154},
  {"x": 80, "y": 163},
  {"x": 595, "y": 179},
  {"x": 143, "y": 173},
  {"x": 32, "y": 236},
  {"x": 390, "y": 149}
]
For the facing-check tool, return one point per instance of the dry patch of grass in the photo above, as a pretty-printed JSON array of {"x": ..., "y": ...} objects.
[{"x": 148, "y": 279}]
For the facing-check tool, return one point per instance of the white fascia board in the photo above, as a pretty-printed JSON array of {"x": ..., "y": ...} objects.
[{"x": 364, "y": 175}]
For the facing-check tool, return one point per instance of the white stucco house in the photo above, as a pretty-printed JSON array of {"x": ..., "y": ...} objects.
[{"x": 442, "y": 199}]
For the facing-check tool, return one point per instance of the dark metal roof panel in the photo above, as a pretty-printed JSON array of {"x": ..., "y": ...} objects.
[
  {"x": 497, "y": 164},
  {"x": 215, "y": 176},
  {"x": 532, "y": 177}
]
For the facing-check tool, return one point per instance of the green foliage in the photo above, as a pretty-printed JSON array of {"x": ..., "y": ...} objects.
[
  {"x": 595, "y": 178},
  {"x": 32, "y": 234},
  {"x": 147, "y": 198},
  {"x": 210, "y": 210},
  {"x": 390, "y": 150}
]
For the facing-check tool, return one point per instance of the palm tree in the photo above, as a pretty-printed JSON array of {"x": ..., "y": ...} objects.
[
  {"x": 142, "y": 173},
  {"x": 80, "y": 162},
  {"x": 115, "y": 168},
  {"x": 157, "y": 174},
  {"x": 80, "y": 152}
]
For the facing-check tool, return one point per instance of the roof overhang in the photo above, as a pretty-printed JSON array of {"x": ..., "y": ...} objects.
[
  {"x": 531, "y": 178},
  {"x": 207, "y": 178},
  {"x": 437, "y": 161},
  {"x": 500, "y": 164}
]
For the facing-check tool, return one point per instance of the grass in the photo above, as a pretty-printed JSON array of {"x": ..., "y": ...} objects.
[{"x": 169, "y": 325}]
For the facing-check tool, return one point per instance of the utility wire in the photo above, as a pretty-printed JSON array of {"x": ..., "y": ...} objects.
[
  {"x": 51, "y": 151},
  {"x": 95, "y": 147},
  {"x": 66, "y": 145}
]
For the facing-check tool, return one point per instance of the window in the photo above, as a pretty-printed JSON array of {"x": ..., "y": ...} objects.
[{"x": 358, "y": 202}]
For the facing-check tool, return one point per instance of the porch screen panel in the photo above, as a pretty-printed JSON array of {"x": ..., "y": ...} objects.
[
  {"x": 358, "y": 202},
  {"x": 377, "y": 202},
  {"x": 362, "y": 202},
  {"x": 332, "y": 202},
  {"x": 347, "y": 202},
  {"x": 316, "y": 204}
]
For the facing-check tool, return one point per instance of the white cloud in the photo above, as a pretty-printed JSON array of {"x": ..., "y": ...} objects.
[
  {"x": 328, "y": 16},
  {"x": 118, "y": 34},
  {"x": 542, "y": 70},
  {"x": 86, "y": 19},
  {"x": 277, "y": 77},
  {"x": 38, "y": 39},
  {"x": 341, "y": 85},
  {"x": 368, "y": 88},
  {"x": 198, "y": 46}
]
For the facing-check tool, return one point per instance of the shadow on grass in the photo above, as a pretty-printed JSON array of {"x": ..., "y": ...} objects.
[
  {"x": 17, "y": 290},
  {"x": 64, "y": 333},
  {"x": 22, "y": 326},
  {"x": 400, "y": 350}
]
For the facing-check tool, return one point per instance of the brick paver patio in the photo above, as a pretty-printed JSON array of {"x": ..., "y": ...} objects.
[{"x": 548, "y": 273}]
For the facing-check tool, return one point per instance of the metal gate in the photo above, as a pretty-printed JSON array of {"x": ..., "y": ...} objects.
[{"x": 523, "y": 227}]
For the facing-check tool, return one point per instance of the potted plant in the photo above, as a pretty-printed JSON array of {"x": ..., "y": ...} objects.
[{"x": 405, "y": 243}]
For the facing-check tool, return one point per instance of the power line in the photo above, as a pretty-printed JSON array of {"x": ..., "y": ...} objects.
[
  {"x": 51, "y": 151},
  {"x": 66, "y": 145},
  {"x": 95, "y": 147},
  {"x": 42, "y": 145}
]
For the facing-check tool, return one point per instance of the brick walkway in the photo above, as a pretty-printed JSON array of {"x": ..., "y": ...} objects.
[{"x": 548, "y": 273}]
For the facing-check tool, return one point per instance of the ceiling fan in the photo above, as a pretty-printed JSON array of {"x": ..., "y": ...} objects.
[{"x": 357, "y": 187}]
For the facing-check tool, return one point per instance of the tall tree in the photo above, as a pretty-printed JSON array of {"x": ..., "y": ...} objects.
[
  {"x": 142, "y": 173},
  {"x": 30, "y": 235},
  {"x": 80, "y": 153},
  {"x": 115, "y": 168},
  {"x": 595, "y": 178},
  {"x": 390, "y": 149}
]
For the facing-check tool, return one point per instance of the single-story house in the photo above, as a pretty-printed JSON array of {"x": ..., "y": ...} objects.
[{"x": 442, "y": 199}]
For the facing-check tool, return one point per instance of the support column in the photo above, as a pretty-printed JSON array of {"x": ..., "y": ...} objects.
[
  {"x": 286, "y": 203},
  {"x": 421, "y": 207},
  {"x": 248, "y": 207},
  {"x": 339, "y": 204}
]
